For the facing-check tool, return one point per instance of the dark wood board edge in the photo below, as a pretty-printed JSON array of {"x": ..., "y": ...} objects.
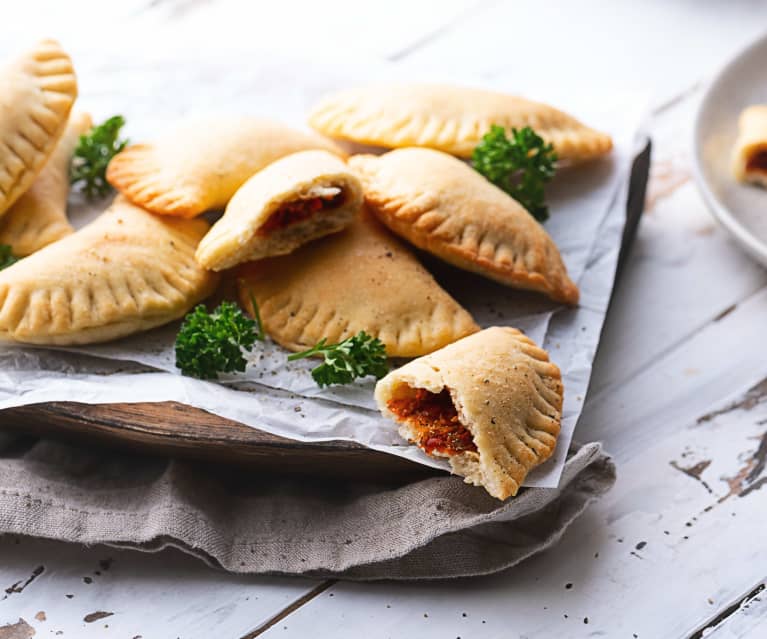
[{"x": 174, "y": 429}]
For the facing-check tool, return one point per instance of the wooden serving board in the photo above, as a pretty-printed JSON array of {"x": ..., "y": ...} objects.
[{"x": 170, "y": 428}]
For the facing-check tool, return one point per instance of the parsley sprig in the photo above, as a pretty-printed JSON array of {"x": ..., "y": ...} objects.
[
  {"x": 520, "y": 165},
  {"x": 6, "y": 257},
  {"x": 92, "y": 155},
  {"x": 213, "y": 343},
  {"x": 357, "y": 356}
]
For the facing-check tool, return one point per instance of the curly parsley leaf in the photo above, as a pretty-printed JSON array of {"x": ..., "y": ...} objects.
[
  {"x": 212, "y": 343},
  {"x": 358, "y": 356},
  {"x": 92, "y": 155},
  {"x": 6, "y": 257},
  {"x": 520, "y": 165}
]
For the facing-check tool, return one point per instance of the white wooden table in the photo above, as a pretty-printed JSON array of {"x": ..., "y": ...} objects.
[{"x": 677, "y": 549}]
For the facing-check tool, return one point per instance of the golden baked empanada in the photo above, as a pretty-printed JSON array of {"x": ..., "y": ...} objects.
[
  {"x": 296, "y": 199},
  {"x": 39, "y": 217},
  {"x": 361, "y": 279},
  {"x": 491, "y": 403},
  {"x": 36, "y": 94},
  {"x": 200, "y": 165},
  {"x": 448, "y": 118},
  {"x": 127, "y": 271},
  {"x": 749, "y": 162},
  {"x": 445, "y": 207}
]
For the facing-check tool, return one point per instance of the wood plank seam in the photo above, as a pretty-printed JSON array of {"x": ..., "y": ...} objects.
[
  {"x": 289, "y": 609},
  {"x": 672, "y": 348},
  {"x": 730, "y": 610},
  {"x": 476, "y": 7}
]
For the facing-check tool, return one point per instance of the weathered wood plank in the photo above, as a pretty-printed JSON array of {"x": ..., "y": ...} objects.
[
  {"x": 59, "y": 589},
  {"x": 684, "y": 520},
  {"x": 594, "y": 46}
]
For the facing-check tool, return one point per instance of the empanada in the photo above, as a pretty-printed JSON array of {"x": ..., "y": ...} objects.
[
  {"x": 296, "y": 199},
  {"x": 491, "y": 403},
  {"x": 36, "y": 94},
  {"x": 200, "y": 165},
  {"x": 448, "y": 118},
  {"x": 127, "y": 271},
  {"x": 39, "y": 217},
  {"x": 445, "y": 207},
  {"x": 361, "y": 279},
  {"x": 749, "y": 162}
]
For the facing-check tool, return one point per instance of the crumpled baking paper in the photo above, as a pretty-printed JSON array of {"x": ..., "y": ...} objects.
[{"x": 587, "y": 218}]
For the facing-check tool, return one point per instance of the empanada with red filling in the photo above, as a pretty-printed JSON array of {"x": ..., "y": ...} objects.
[
  {"x": 491, "y": 403},
  {"x": 298, "y": 198},
  {"x": 750, "y": 154}
]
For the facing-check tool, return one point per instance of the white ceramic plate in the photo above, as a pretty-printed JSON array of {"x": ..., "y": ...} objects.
[{"x": 741, "y": 209}]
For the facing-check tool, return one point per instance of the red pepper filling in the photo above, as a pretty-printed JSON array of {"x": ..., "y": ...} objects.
[
  {"x": 434, "y": 418},
  {"x": 758, "y": 162},
  {"x": 297, "y": 211}
]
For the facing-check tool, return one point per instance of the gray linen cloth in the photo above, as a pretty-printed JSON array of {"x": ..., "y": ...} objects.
[{"x": 242, "y": 522}]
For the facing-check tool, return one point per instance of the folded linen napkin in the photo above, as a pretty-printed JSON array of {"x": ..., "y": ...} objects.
[{"x": 244, "y": 522}]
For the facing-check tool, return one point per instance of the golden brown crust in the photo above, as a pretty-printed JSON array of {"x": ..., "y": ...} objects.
[
  {"x": 442, "y": 206},
  {"x": 749, "y": 159},
  {"x": 37, "y": 91},
  {"x": 39, "y": 217},
  {"x": 507, "y": 394},
  {"x": 359, "y": 279},
  {"x": 200, "y": 165},
  {"x": 126, "y": 272},
  {"x": 448, "y": 118},
  {"x": 298, "y": 177}
]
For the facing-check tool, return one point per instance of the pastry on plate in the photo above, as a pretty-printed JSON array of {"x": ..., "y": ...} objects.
[
  {"x": 361, "y": 279},
  {"x": 200, "y": 165},
  {"x": 490, "y": 403},
  {"x": 296, "y": 199},
  {"x": 126, "y": 272},
  {"x": 39, "y": 217},
  {"x": 445, "y": 207},
  {"x": 37, "y": 90},
  {"x": 449, "y": 118},
  {"x": 750, "y": 154}
]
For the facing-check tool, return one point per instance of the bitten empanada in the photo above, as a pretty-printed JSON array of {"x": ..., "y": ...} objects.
[
  {"x": 443, "y": 206},
  {"x": 39, "y": 217},
  {"x": 200, "y": 165},
  {"x": 361, "y": 279},
  {"x": 36, "y": 94},
  {"x": 126, "y": 272},
  {"x": 490, "y": 403},
  {"x": 749, "y": 161},
  {"x": 298, "y": 198},
  {"x": 448, "y": 118}
]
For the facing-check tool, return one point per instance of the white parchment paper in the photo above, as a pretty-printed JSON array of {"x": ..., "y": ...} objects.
[{"x": 588, "y": 214}]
